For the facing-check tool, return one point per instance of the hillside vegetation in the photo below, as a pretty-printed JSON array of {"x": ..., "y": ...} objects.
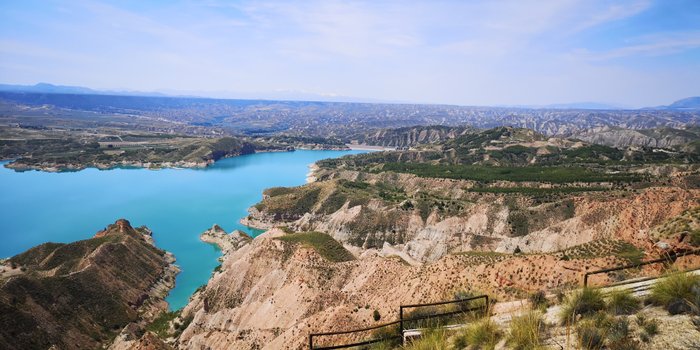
[{"x": 81, "y": 294}]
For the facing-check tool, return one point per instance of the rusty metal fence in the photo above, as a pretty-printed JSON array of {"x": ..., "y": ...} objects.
[
  {"x": 459, "y": 307},
  {"x": 670, "y": 258}
]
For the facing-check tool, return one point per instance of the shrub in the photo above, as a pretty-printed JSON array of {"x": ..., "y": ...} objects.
[
  {"x": 376, "y": 316},
  {"x": 622, "y": 302},
  {"x": 526, "y": 331},
  {"x": 483, "y": 334},
  {"x": 590, "y": 336},
  {"x": 650, "y": 327},
  {"x": 585, "y": 302},
  {"x": 617, "y": 329},
  {"x": 604, "y": 331},
  {"x": 678, "y": 293},
  {"x": 538, "y": 300}
]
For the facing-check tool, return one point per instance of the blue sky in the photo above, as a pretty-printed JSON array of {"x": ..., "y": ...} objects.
[{"x": 524, "y": 52}]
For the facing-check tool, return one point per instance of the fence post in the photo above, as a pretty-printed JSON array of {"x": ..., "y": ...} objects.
[
  {"x": 585, "y": 280},
  {"x": 311, "y": 341}
]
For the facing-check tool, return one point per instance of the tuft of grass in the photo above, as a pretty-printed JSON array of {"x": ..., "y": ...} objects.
[
  {"x": 649, "y": 327},
  {"x": 324, "y": 245},
  {"x": 617, "y": 328},
  {"x": 622, "y": 302},
  {"x": 604, "y": 331},
  {"x": 526, "y": 331},
  {"x": 589, "y": 336},
  {"x": 483, "y": 334},
  {"x": 678, "y": 293},
  {"x": 431, "y": 340},
  {"x": 585, "y": 302},
  {"x": 384, "y": 333},
  {"x": 624, "y": 344}
]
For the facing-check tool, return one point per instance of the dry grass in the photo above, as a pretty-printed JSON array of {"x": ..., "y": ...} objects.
[
  {"x": 527, "y": 331},
  {"x": 678, "y": 293}
]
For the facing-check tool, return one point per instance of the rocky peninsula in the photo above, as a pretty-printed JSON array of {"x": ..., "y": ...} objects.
[{"x": 86, "y": 293}]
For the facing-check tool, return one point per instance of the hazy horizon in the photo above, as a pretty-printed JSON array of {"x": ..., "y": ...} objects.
[{"x": 484, "y": 53}]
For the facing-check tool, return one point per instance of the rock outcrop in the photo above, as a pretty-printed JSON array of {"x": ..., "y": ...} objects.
[
  {"x": 225, "y": 241},
  {"x": 622, "y": 138}
]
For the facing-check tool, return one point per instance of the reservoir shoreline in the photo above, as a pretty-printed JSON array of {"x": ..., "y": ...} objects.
[{"x": 177, "y": 204}]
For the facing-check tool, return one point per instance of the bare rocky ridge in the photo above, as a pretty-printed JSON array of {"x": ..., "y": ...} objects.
[
  {"x": 81, "y": 295},
  {"x": 658, "y": 138},
  {"x": 472, "y": 221},
  {"x": 410, "y": 136}
]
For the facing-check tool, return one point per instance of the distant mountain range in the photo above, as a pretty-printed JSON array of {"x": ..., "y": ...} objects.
[
  {"x": 686, "y": 103},
  {"x": 46, "y": 88},
  {"x": 690, "y": 103},
  {"x": 583, "y": 105},
  {"x": 281, "y": 95}
]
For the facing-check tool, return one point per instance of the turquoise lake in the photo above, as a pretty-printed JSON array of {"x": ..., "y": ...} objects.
[{"x": 176, "y": 204}]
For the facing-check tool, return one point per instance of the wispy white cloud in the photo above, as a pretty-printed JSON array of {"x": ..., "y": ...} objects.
[
  {"x": 656, "y": 45},
  {"x": 609, "y": 12},
  {"x": 470, "y": 52}
]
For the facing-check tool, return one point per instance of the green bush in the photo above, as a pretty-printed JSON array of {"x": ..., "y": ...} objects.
[
  {"x": 678, "y": 293},
  {"x": 584, "y": 302},
  {"x": 622, "y": 302}
]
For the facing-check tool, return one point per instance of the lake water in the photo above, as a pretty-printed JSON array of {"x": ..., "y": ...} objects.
[{"x": 176, "y": 204}]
